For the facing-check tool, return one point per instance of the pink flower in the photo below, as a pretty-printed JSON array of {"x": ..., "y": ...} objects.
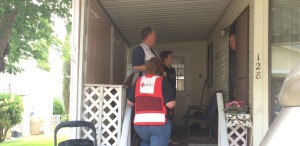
[{"x": 235, "y": 106}]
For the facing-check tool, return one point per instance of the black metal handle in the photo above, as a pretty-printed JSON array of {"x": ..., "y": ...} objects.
[{"x": 75, "y": 124}]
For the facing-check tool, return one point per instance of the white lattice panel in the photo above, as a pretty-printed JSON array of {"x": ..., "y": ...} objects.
[
  {"x": 237, "y": 128},
  {"x": 104, "y": 106},
  {"x": 55, "y": 120},
  {"x": 237, "y": 136},
  {"x": 90, "y": 109}
]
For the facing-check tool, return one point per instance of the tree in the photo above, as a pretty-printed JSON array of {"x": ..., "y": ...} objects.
[
  {"x": 11, "y": 108},
  {"x": 26, "y": 31},
  {"x": 66, "y": 72}
]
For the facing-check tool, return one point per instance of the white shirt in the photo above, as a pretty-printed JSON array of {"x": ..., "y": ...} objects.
[{"x": 148, "y": 53}]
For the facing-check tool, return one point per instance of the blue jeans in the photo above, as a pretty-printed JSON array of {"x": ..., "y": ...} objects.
[{"x": 154, "y": 135}]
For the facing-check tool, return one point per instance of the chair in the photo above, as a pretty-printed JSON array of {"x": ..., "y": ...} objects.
[{"x": 200, "y": 113}]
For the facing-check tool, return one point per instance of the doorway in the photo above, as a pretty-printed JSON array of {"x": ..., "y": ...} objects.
[
  {"x": 182, "y": 65},
  {"x": 239, "y": 58}
]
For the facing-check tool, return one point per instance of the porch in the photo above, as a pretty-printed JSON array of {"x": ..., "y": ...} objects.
[
  {"x": 105, "y": 106},
  {"x": 106, "y": 31}
]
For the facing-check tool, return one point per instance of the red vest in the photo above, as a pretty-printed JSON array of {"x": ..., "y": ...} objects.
[{"x": 149, "y": 102}]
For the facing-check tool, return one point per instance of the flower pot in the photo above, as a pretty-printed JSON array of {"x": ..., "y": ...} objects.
[
  {"x": 237, "y": 128},
  {"x": 234, "y": 112}
]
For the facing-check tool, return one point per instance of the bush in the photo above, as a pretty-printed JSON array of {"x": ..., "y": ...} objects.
[
  {"x": 11, "y": 108},
  {"x": 64, "y": 118},
  {"x": 58, "y": 108}
]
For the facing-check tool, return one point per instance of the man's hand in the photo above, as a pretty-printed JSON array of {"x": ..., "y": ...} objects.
[{"x": 164, "y": 74}]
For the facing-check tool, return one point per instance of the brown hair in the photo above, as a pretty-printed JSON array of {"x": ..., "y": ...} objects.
[{"x": 154, "y": 66}]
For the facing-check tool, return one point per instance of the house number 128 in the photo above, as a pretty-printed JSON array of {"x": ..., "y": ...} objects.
[{"x": 258, "y": 68}]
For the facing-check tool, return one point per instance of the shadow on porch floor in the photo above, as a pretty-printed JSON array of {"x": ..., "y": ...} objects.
[{"x": 182, "y": 139}]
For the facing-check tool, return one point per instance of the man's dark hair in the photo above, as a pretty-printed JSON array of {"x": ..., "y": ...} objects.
[
  {"x": 145, "y": 32},
  {"x": 164, "y": 54}
]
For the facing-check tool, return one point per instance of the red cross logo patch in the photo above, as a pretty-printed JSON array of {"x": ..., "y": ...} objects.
[{"x": 142, "y": 84}]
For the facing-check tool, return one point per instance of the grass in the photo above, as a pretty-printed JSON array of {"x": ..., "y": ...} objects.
[{"x": 36, "y": 140}]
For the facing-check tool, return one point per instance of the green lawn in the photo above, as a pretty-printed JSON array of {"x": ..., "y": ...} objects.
[{"x": 37, "y": 140}]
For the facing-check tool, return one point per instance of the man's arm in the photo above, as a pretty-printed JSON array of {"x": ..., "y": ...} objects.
[
  {"x": 131, "y": 96},
  {"x": 138, "y": 59},
  {"x": 171, "y": 104},
  {"x": 169, "y": 97},
  {"x": 130, "y": 103}
]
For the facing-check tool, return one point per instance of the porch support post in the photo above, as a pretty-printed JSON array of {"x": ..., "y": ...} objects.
[
  {"x": 77, "y": 60},
  {"x": 82, "y": 55},
  {"x": 112, "y": 51},
  {"x": 260, "y": 71}
]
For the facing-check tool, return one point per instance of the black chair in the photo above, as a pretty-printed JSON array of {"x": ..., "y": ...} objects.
[
  {"x": 200, "y": 113},
  {"x": 76, "y": 142}
]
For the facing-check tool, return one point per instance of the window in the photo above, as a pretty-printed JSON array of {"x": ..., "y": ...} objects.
[
  {"x": 178, "y": 65},
  {"x": 285, "y": 45}
]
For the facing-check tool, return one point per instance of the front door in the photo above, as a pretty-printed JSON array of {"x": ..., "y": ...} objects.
[
  {"x": 239, "y": 58},
  {"x": 242, "y": 58},
  {"x": 182, "y": 65}
]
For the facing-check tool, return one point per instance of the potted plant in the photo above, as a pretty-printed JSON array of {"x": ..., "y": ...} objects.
[
  {"x": 235, "y": 107},
  {"x": 237, "y": 122}
]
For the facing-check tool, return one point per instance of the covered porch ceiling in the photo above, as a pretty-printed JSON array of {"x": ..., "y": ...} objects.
[{"x": 173, "y": 20}]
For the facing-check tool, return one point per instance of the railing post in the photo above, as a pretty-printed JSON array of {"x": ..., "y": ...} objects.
[
  {"x": 126, "y": 128},
  {"x": 222, "y": 131}
]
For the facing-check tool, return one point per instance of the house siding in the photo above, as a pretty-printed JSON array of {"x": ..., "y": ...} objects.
[
  {"x": 98, "y": 46},
  {"x": 105, "y": 51},
  {"x": 119, "y": 57}
]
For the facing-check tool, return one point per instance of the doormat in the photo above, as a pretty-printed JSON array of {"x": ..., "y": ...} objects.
[{"x": 202, "y": 144}]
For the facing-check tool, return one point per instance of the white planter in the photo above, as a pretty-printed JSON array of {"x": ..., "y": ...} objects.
[{"x": 237, "y": 129}]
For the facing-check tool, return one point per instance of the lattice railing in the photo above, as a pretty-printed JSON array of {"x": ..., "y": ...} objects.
[
  {"x": 55, "y": 120},
  {"x": 237, "y": 128},
  {"x": 104, "y": 106}
]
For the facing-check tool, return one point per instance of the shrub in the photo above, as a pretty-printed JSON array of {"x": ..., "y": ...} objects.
[
  {"x": 58, "y": 108},
  {"x": 64, "y": 118},
  {"x": 11, "y": 108}
]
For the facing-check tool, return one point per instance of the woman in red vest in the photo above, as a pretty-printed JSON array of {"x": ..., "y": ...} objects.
[{"x": 153, "y": 98}]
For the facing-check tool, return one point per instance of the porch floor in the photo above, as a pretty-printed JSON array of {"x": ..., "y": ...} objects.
[{"x": 179, "y": 135}]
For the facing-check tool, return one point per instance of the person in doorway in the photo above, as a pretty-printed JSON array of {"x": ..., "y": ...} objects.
[
  {"x": 168, "y": 59},
  {"x": 232, "y": 42},
  {"x": 232, "y": 66},
  {"x": 152, "y": 96}
]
